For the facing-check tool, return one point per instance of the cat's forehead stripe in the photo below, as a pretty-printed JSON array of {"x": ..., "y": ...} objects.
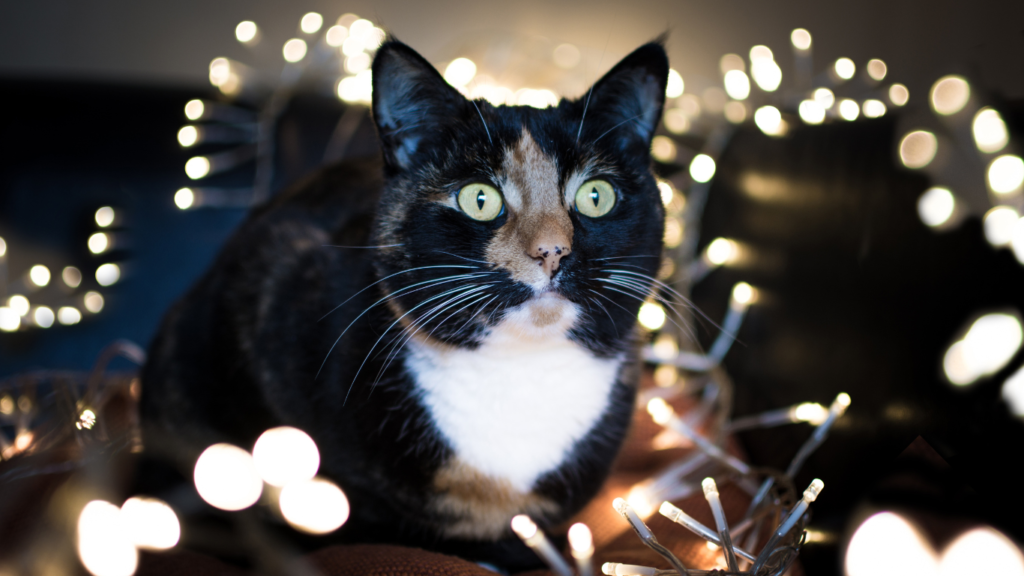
[{"x": 532, "y": 177}]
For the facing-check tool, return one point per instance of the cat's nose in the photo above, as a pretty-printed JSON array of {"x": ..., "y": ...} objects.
[{"x": 548, "y": 253}]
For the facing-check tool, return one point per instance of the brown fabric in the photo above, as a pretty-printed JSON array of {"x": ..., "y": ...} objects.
[{"x": 387, "y": 560}]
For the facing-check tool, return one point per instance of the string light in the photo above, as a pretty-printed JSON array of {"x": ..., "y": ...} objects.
[
  {"x": 188, "y": 136},
  {"x": 531, "y": 535},
  {"x": 19, "y": 304},
  {"x": 801, "y": 39},
  {"x": 898, "y": 94},
  {"x": 887, "y": 545},
  {"x": 104, "y": 544},
  {"x": 93, "y": 302},
  {"x": 581, "y": 545},
  {"x": 226, "y": 477},
  {"x": 245, "y": 31},
  {"x": 769, "y": 120},
  {"x": 86, "y": 420},
  {"x": 849, "y": 110},
  {"x": 99, "y": 242},
  {"x": 936, "y": 206},
  {"x": 998, "y": 224},
  {"x": 811, "y": 112},
  {"x": 294, "y": 50},
  {"x": 104, "y": 216},
  {"x": 315, "y": 506},
  {"x": 874, "y": 108},
  {"x": 767, "y": 74},
  {"x": 737, "y": 85},
  {"x": 918, "y": 148},
  {"x": 744, "y": 294},
  {"x": 459, "y": 72},
  {"x": 844, "y": 68},
  {"x": 336, "y": 36},
  {"x": 10, "y": 320},
  {"x": 825, "y": 97},
  {"x": 151, "y": 524},
  {"x": 651, "y": 316},
  {"x": 990, "y": 134},
  {"x": 184, "y": 198},
  {"x": 284, "y": 454},
  {"x": 702, "y": 168},
  {"x": 988, "y": 346},
  {"x": 722, "y": 251},
  {"x": 43, "y": 316},
  {"x": 675, "y": 86},
  {"x": 194, "y": 109},
  {"x": 108, "y": 274},
  {"x": 949, "y": 95},
  {"x": 197, "y": 167},
  {"x": 68, "y": 315},
  {"x": 1006, "y": 174},
  {"x": 877, "y": 69},
  {"x": 311, "y": 23},
  {"x": 39, "y": 275}
]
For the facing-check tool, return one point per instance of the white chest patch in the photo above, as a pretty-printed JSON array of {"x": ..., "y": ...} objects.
[{"x": 514, "y": 408}]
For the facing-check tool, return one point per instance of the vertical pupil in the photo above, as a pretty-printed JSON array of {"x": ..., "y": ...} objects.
[
  {"x": 481, "y": 199},
  {"x": 595, "y": 196}
]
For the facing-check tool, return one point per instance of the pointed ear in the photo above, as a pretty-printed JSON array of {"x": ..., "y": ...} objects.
[
  {"x": 411, "y": 102},
  {"x": 625, "y": 105}
]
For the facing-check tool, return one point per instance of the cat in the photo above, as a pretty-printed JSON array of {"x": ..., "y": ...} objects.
[{"x": 453, "y": 322}]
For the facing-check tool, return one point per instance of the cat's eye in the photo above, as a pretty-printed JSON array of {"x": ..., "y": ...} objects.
[
  {"x": 595, "y": 198},
  {"x": 480, "y": 202}
]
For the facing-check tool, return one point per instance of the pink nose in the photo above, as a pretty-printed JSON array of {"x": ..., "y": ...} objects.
[{"x": 549, "y": 254}]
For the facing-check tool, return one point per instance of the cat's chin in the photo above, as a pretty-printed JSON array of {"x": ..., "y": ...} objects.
[{"x": 543, "y": 316}]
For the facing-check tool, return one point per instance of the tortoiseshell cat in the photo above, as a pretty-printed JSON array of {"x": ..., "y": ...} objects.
[{"x": 476, "y": 359}]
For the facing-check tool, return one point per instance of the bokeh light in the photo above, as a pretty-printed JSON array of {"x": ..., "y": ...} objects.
[
  {"x": 108, "y": 274},
  {"x": 459, "y": 72},
  {"x": 197, "y": 167},
  {"x": 898, "y": 94},
  {"x": 999, "y": 223},
  {"x": 849, "y": 110},
  {"x": 735, "y": 112},
  {"x": 936, "y": 206},
  {"x": 184, "y": 198},
  {"x": 769, "y": 120},
  {"x": 651, "y": 316},
  {"x": 151, "y": 523},
  {"x": 294, "y": 50},
  {"x": 68, "y": 315},
  {"x": 981, "y": 551},
  {"x": 245, "y": 31},
  {"x": 949, "y": 95},
  {"x": 737, "y": 85},
  {"x": 316, "y": 506},
  {"x": 336, "y": 36},
  {"x": 9, "y": 319},
  {"x": 104, "y": 545},
  {"x": 675, "y": 86},
  {"x": 226, "y": 478},
  {"x": 702, "y": 168},
  {"x": 194, "y": 109},
  {"x": 825, "y": 97},
  {"x": 811, "y": 112},
  {"x": 744, "y": 294},
  {"x": 188, "y": 136},
  {"x": 93, "y": 302},
  {"x": 844, "y": 68},
  {"x": 104, "y": 216},
  {"x": 1006, "y": 174},
  {"x": 989, "y": 130},
  {"x": 801, "y": 39},
  {"x": 566, "y": 56},
  {"x": 767, "y": 74},
  {"x": 39, "y": 275},
  {"x": 887, "y": 545},
  {"x": 663, "y": 149},
  {"x": 98, "y": 242},
  {"x": 873, "y": 108},
  {"x": 19, "y": 304},
  {"x": 1013, "y": 392},
  {"x": 43, "y": 316},
  {"x": 285, "y": 454},
  {"x": 722, "y": 251},
  {"x": 877, "y": 69},
  {"x": 989, "y": 345},
  {"x": 311, "y": 23},
  {"x": 918, "y": 148}
]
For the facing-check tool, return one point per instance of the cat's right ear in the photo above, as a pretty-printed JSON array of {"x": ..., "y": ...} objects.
[{"x": 411, "y": 101}]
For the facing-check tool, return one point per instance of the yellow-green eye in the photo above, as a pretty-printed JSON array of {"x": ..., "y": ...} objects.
[
  {"x": 480, "y": 201},
  {"x": 595, "y": 198}
]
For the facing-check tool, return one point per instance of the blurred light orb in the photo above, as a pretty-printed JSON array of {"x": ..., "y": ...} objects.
[
  {"x": 690, "y": 105},
  {"x": 188, "y": 136},
  {"x": 1017, "y": 241},
  {"x": 651, "y": 316},
  {"x": 1006, "y": 174},
  {"x": 184, "y": 198},
  {"x": 999, "y": 224},
  {"x": 769, "y": 120},
  {"x": 722, "y": 251},
  {"x": 744, "y": 294},
  {"x": 675, "y": 86},
  {"x": 825, "y": 97},
  {"x": 311, "y": 23},
  {"x": 673, "y": 236},
  {"x": 936, "y": 206},
  {"x": 873, "y": 108},
  {"x": 98, "y": 242},
  {"x": 194, "y": 109},
  {"x": 989, "y": 345},
  {"x": 639, "y": 499},
  {"x": 336, "y": 36},
  {"x": 887, "y": 545},
  {"x": 735, "y": 112},
  {"x": 665, "y": 347},
  {"x": 949, "y": 95},
  {"x": 104, "y": 216},
  {"x": 849, "y": 110},
  {"x": 9, "y": 319},
  {"x": 352, "y": 45},
  {"x": 197, "y": 167},
  {"x": 459, "y": 72},
  {"x": 19, "y": 304},
  {"x": 844, "y": 68},
  {"x": 39, "y": 275},
  {"x": 3, "y": 248},
  {"x": 877, "y": 69},
  {"x": 226, "y": 477},
  {"x": 285, "y": 454},
  {"x": 104, "y": 545},
  {"x": 676, "y": 121},
  {"x": 362, "y": 29},
  {"x": 566, "y": 56},
  {"x": 702, "y": 168},
  {"x": 68, "y": 315},
  {"x": 761, "y": 52},
  {"x": 151, "y": 523},
  {"x": 737, "y": 85},
  {"x": 246, "y": 31},
  {"x": 1013, "y": 392},
  {"x": 539, "y": 98},
  {"x": 220, "y": 71},
  {"x": 666, "y": 375},
  {"x": 767, "y": 74},
  {"x": 811, "y": 412},
  {"x": 982, "y": 551},
  {"x": 811, "y": 112},
  {"x": 663, "y": 149},
  {"x": 731, "y": 62},
  {"x": 294, "y": 50},
  {"x": 43, "y": 316},
  {"x": 801, "y": 39},
  {"x": 898, "y": 94},
  {"x": 315, "y": 506},
  {"x": 108, "y": 274},
  {"x": 665, "y": 189},
  {"x": 989, "y": 130},
  {"x": 93, "y": 302},
  {"x": 358, "y": 63},
  {"x": 918, "y": 148},
  {"x": 580, "y": 539}
]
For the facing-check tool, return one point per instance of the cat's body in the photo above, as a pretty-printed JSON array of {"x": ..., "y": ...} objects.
[{"x": 476, "y": 365}]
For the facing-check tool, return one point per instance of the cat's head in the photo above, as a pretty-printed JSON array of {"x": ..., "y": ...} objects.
[{"x": 547, "y": 222}]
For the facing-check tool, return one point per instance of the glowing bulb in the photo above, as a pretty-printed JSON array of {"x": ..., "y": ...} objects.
[
  {"x": 761, "y": 52},
  {"x": 898, "y": 94},
  {"x": 316, "y": 506},
  {"x": 1017, "y": 240},
  {"x": 676, "y": 121},
  {"x": 352, "y": 45},
  {"x": 19, "y": 304},
  {"x": 108, "y": 274},
  {"x": 735, "y": 112},
  {"x": 336, "y": 36},
  {"x": 459, "y": 72},
  {"x": 999, "y": 223},
  {"x": 184, "y": 198},
  {"x": 737, "y": 85},
  {"x": 98, "y": 242},
  {"x": 665, "y": 189},
  {"x": 358, "y": 63},
  {"x": 68, "y": 315},
  {"x": 702, "y": 168},
  {"x": 311, "y": 23},
  {"x": 877, "y": 69},
  {"x": 949, "y": 95},
  {"x": 811, "y": 412},
  {"x": 294, "y": 50},
  {"x": 651, "y": 316},
  {"x": 666, "y": 375},
  {"x": 9, "y": 319},
  {"x": 887, "y": 545},
  {"x": 93, "y": 302},
  {"x": 722, "y": 251},
  {"x": 523, "y": 526},
  {"x": 104, "y": 216},
  {"x": 566, "y": 56},
  {"x": 845, "y": 68},
  {"x": 197, "y": 167},
  {"x": 988, "y": 346},
  {"x": 284, "y": 454},
  {"x": 982, "y": 551},
  {"x": 1013, "y": 392},
  {"x": 673, "y": 236},
  {"x": 220, "y": 71},
  {"x": 361, "y": 28},
  {"x": 936, "y": 206},
  {"x": 39, "y": 275},
  {"x": 663, "y": 149},
  {"x": 245, "y": 32},
  {"x": 665, "y": 347},
  {"x": 849, "y": 109},
  {"x": 918, "y": 148},
  {"x": 194, "y": 109},
  {"x": 104, "y": 543},
  {"x": 1006, "y": 174},
  {"x": 767, "y": 74},
  {"x": 640, "y": 501},
  {"x": 151, "y": 524},
  {"x": 3, "y": 247},
  {"x": 675, "y": 86},
  {"x": 990, "y": 133},
  {"x": 812, "y": 112},
  {"x": 744, "y": 294},
  {"x": 769, "y": 120},
  {"x": 801, "y": 39},
  {"x": 188, "y": 136},
  {"x": 825, "y": 97},
  {"x": 874, "y": 108},
  {"x": 581, "y": 541},
  {"x": 660, "y": 411},
  {"x": 43, "y": 316},
  {"x": 226, "y": 477},
  {"x": 86, "y": 420}
]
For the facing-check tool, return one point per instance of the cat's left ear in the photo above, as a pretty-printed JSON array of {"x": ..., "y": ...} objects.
[
  {"x": 625, "y": 105},
  {"x": 411, "y": 103}
]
